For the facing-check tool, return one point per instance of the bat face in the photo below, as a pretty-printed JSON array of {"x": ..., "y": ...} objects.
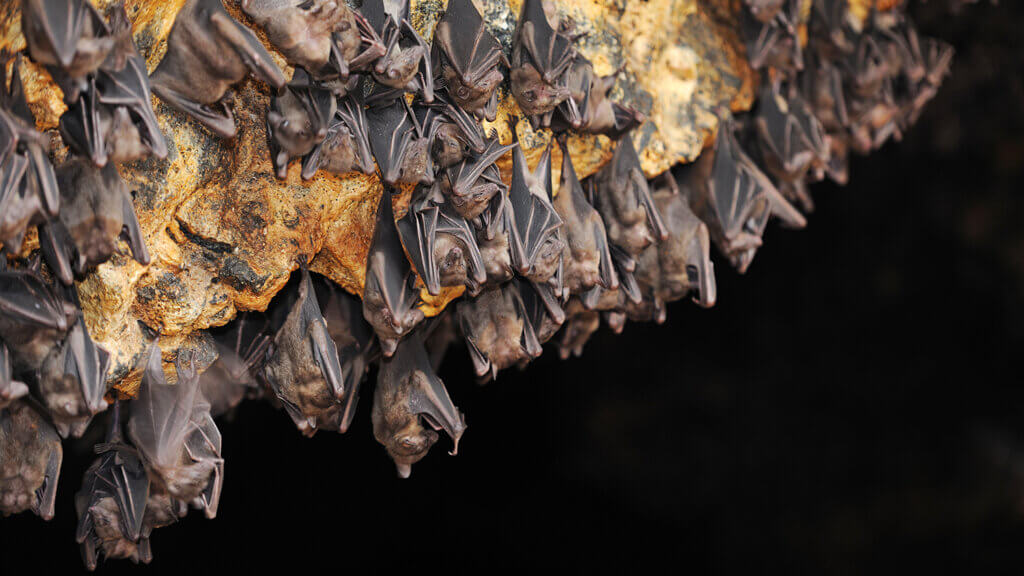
[
  {"x": 404, "y": 65},
  {"x": 33, "y": 321},
  {"x": 472, "y": 184},
  {"x": 207, "y": 53},
  {"x": 68, "y": 37},
  {"x": 540, "y": 56},
  {"x": 31, "y": 466},
  {"x": 300, "y": 29},
  {"x": 588, "y": 109},
  {"x": 623, "y": 199},
  {"x": 346, "y": 147},
  {"x": 498, "y": 333},
  {"x": 410, "y": 404},
  {"x": 10, "y": 389},
  {"x": 72, "y": 381},
  {"x": 534, "y": 95},
  {"x": 298, "y": 120}
]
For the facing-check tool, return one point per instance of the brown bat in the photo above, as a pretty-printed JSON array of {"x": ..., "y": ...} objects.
[
  {"x": 498, "y": 330},
  {"x": 302, "y": 365},
  {"x": 241, "y": 353},
  {"x": 112, "y": 120},
  {"x": 542, "y": 309},
  {"x": 208, "y": 52},
  {"x": 466, "y": 56},
  {"x": 69, "y": 37},
  {"x": 174, "y": 434},
  {"x": 441, "y": 243},
  {"x": 764, "y": 10},
  {"x": 623, "y": 199},
  {"x": 586, "y": 257},
  {"x": 775, "y": 43},
  {"x": 30, "y": 468},
  {"x": 400, "y": 144},
  {"x": 346, "y": 147},
  {"x": 97, "y": 213},
  {"x": 540, "y": 57},
  {"x": 588, "y": 108},
  {"x": 536, "y": 232},
  {"x": 405, "y": 65},
  {"x": 472, "y": 184},
  {"x": 10, "y": 389},
  {"x": 389, "y": 297},
  {"x": 411, "y": 404},
  {"x": 456, "y": 134},
  {"x": 298, "y": 120},
  {"x": 683, "y": 259},
  {"x": 576, "y": 331},
  {"x": 33, "y": 320},
  {"x": 73, "y": 381},
  {"x": 325, "y": 37}
]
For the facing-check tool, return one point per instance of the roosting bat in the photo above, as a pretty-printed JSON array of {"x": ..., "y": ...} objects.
[
  {"x": 775, "y": 43},
  {"x": 497, "y": 329},
  {"x": 623, "y": 199},
  {"x": 30, "y": 468},
  {"x": 207, "y": 53},
  {"x": 346, "y": 146},
  {"x": 33, "y": 320},
  {"x": 683, "y": 259},
  {"x": 588, "y": 108},
  {"x": 389, "y": 297},
  {"x": 467, "y": 56},
  {"x": 602, "y": 299},
  {"x": 73, "y": 380},
  {"x": 471, "y": 184},
  {"x": 111, "y": 503},
  {"x": 543, "y": 311},
  {"x": 241, "y": 352},
  {"x": 405, "y": 65},
  {"x": 496, "y": 250},
  {"x": 173, "y": 431},
  {"x": 441, "y": 243},
  {"x": 410, "y": 404},
  {"x": 540, "y": 57},
  {"x": 536, "y": 240},
  {"x": 97, "y": 212},
  {"x": 298, "y": 120},
  {"x": 456, "y": 134},
  {"x": 586, "y": 257},
  {"x": 10, "y": 389},
  {"x": 399, "y": 144},
  {"x": 576, "y": 331},
  {"x": 302, "y": 365},
  {"x": 69, "y": 37},
  {"x": 325, "y": 37}
]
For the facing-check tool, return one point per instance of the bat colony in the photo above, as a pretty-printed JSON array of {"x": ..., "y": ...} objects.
[{"x": 539, "y": 261}]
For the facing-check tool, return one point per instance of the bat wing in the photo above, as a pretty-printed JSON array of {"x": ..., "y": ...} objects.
[
  {"x": 430, "y": 399},
  {"x": 25, "y": 298},
  {"x": 550, "y": 51},
  {"x": 56, "y": 246},
  {"x": 376, "y": 14},
  {"x": 10, "y": 389},
  {"x": 88, "y": 362},
  {"x": 587, "y": 214},
  {"x": 449, "y": 222},
  {"x": 160, "y": 414},
  {"x": 46, "y": 494},
  {"x": 471, "y": 131},
  {"x": 627, "y": 168},
  {"x": 204, "y": 443},
  {"x": 132, "y": 232},
  {"x": 390, "y": 133},
  {"x": 12, "y": 98},
  {"x": 246, "y": 45},
  {"x": 81, "y": 128},
  {"x": 469, "y": 48},
  {"x": 350, "y": 111},
  {"x": 418, "y": 230},
  {"x": 55, "y": 27},
  {"x": 535, "y": 219},
  {"x": 314, "y": 326},
  {"x": 471, "y": 170}
]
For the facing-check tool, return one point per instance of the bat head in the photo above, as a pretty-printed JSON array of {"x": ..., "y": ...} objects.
[
  {"x": 535, "y": 95},
  {"x": 399, "y": 66},
  {"x": 472, "y": 94},
  {"x": 450, "y": 145}
]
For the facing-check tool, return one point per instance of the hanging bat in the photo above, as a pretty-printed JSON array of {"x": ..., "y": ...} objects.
[
  {"x": 302, "y": 365},
  {"x": 97, "y": 213},
  {"x": 346, "y": 147},
  {"x": 111, "y": 503},
  {"x": 298, "y": 120},
  {"x": 112, "y": 119},
  {"x": 467, "y": 56},
  {"x": 729, "y": 193},
  {"x": 576, "y": 331},
  {"x": 20, "y": 203},
  {"x": 325, "y": 37},
  {"x": 73, "y": 380},
  {"x": 208, "y": 52},
  {"x": 405, "y": 65},
  {"x": 602, "y": 299},
  {"x": 168, "y": 425},
  {"x": 389, "y": 296},
  {"x": 588, "y": 108},
  {"x": 775, "y": 43},
  {"x": 536, "y": 242},
  {"x": 684, "y": 257},
  {"x": 471, "y": 184},
  {"x": 497, "y": 330},
  {"x": 410, "y": 404},
  {"x": 540, "y": 57},
  {"x": 30, "y": 468},
  {"x": 623, "y": 199},
  {"x": 441, "y": 243},
  {"x": 541, "y": 308},
  {"x": 586, "y": 257},
  {"x": 10, "y": 389},
  {"x": 69, "y": 37},
  {"x": 33, "y": 320},
  {"x": 399, "y": 144},
  {"x": 456, "y": 134},
  {"x": 241, "y": 353}
]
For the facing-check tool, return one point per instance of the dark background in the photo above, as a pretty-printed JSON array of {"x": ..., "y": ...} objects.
[{"x": 853, "y": 403}]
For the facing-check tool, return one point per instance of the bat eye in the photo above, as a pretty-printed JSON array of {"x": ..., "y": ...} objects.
[
  {"x": 463, "y": 92},
  {"x": 529, "y": 95}
]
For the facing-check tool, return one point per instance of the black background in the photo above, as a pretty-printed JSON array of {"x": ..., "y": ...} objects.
[{"x": 852, "y": 404}]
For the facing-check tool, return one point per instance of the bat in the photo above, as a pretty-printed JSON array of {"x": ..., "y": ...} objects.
[
  {"x": 170, "y": 427},
  {"x": 456, "y": 134},
  {"x": 683, "y": 259},
  {"x": 346, "y": 147},
  {"x": 112, "y": 119},
  {"x": 33, "y": 320},
  {"x": 497, "y": 330},
  {"x": 410, "y": 404},
  {"x": 541, "y": 308},
  {"x": 30, "y": 469},
  {"x": 325, "y": 37},
  {"x": 302, "y": 364},
  {"x": 111, "y": 502},
  {"x": 73, "y": 380},
  {"x": 97, "y": 213},
  {"x": 241, "y": 353},
  {"x": 576, "y": 331},
  {"x": 775, "y": 43},
  {"x": 68, "y": 37},
  {"x": 466, "y": 56},
  {"x": 586, "y": 257},
  {"x": 494, "y": 237},
  {"x": 729, "y": 193},
  {"x": 623, "y": 200},
  {"x": 588, "y": 108},
  {"x": 441, "y": 243},
  {"x": 399, "y": 144},
  {"x": 298, "y": 120},
  {"x": 536, "y": 242},
  {"x": 405, "y": 65},
  {"x": 471, "y": 184},
  {"x": 389, "y": 296},
  {"x": 10, "y": 389},
  {"x": 764, "y": 10},
  {"x": 208, "y": 52},
  {"x": 602, "y": 299},
  {"x": 540, "y": 57}
]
